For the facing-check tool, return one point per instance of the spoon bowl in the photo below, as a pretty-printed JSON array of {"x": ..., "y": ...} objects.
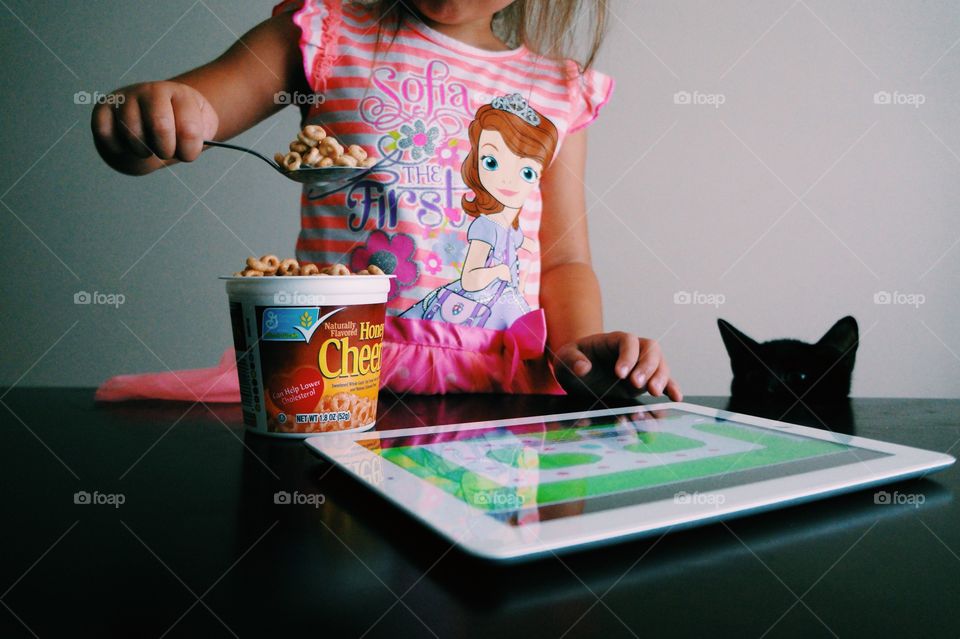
[{"x": 314, "y": 176}]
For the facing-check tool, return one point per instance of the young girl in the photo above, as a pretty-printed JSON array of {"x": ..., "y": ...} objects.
[{"x": 477, "y": 204}]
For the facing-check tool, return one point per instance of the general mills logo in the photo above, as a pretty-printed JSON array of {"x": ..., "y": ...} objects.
[
  {"x": 293, "y": 298},
  {"x": 698, "y": 298},
  {"x": 698, "y": 98},
  {"x": 698, "y": 498},
  {"x": 85, "y": 97},
  {"x": 83, "y": 298},
  {"x": 897, "y": 298},
  {"x": 297, "y": 98},
  {"x": 96, "y": 498},
  {"x": 897, "y": 98},
  {"x": 896, "y": 498},
  {"x": 296, "y": 498}
]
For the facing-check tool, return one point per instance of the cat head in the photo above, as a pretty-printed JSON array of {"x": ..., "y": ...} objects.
[{"x": 791, "y": 369}]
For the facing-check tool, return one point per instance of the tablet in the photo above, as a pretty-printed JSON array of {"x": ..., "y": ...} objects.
[{"x": 519, "y": 488}]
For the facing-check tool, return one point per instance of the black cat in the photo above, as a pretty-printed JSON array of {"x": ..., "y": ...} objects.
[{"x": 787, "y": 369}]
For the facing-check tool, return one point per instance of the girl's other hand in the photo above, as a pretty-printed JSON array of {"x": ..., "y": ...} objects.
[
  {"x": 616, "y": 363},
  {"x": 153, "y": 123},
  {"x": 503, "y": 272}
]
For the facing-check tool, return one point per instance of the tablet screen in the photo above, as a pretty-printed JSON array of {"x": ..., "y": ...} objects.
[{"x": 537, "y": 471}]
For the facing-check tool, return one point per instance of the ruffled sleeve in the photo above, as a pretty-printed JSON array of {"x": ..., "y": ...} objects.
[
  {"x": 484, "y": 230},
  {"x": 589, "y": 92},
  {"x": 319, "y": 22}
]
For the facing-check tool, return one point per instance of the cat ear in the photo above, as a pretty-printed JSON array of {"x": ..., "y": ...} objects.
[
  {"x": 842, "y": 336},
  {"x": 738, "y": 344}
]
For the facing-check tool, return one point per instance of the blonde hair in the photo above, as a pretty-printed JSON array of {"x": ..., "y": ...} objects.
[{"x": 546, "y": 27}]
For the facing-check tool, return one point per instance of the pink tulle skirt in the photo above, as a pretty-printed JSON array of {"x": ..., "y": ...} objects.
[{"x": 423, "y": 357}]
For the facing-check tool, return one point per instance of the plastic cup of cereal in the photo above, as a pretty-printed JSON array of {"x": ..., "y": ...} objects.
[{"x": 308, "y": 351}]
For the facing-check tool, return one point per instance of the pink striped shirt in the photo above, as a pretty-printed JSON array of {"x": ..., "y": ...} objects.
[{"x": 411, "y": 102}]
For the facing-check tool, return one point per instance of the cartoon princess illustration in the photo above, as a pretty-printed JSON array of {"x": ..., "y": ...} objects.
[{"x": 511, "y": 144}]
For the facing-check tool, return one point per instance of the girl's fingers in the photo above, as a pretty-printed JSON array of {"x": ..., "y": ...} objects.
[
  {"x": 105, "y": 133},
  {"x": 629, "y": 349},
  {"x": 573, "y": 359},
  {"x": 189, "y": 126},
  {"x": 130, "y": 127},
  {"x": 647, "y": 364},
  {"x": 659, "y": 379},
  {"x": 673, "y": 391},
  {"x": 159, "y": 125}
]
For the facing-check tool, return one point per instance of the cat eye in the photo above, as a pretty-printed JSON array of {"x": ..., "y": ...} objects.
[
  {"x": 795, "y": 377},
  {"x": 489, "y": 163}
]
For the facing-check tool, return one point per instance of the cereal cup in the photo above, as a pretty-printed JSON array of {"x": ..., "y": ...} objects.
[{"x": 308, "y": 351}]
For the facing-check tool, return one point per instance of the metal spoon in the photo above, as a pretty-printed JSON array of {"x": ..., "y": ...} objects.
[{"x": 305, "y": 175}]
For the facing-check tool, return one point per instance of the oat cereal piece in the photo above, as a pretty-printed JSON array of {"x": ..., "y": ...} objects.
[
  {"x": 292, "y": 161},
  {"x": 309, "y": 269},
  {"x": 289, "y": 267},
  {"x": 267, "y": 264},
  {"x": 345, "y": 160},
  {"x": 356, "y": 151},
  {"x": 314, "y": 132},
  {"x": 306, "y": 140},
  {"x": 312, "y": 157},
  {"x": 331, "y": 148}
]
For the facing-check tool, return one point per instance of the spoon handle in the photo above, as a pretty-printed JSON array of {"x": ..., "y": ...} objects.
[{"x": 243, "y": 149}]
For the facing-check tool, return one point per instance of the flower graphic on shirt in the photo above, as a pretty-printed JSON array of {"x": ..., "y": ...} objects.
[
  {"x": 453, "y": 213},
  {"x": 448, "y": 154},
  {"x": 394, "y": 256},
  {"x": 451, "y": 249},
  {"x": 434, "y": 263},
  {"x": 419, "y": 139}
]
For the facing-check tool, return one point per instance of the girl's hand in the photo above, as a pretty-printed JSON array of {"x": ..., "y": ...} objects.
[
  {"x": 502, "y": 272},
  {"x": 156, "y": 121},
  {"x": 617, "y": 363}
]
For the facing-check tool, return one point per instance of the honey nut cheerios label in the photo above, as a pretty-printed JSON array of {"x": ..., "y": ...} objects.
[{"x": 320, "y": 366}]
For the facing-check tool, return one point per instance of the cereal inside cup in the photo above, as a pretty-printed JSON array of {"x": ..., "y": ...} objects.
[{"x": 308, "y": 341}]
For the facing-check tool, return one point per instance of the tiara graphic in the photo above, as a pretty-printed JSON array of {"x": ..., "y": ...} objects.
[{"x": 515, "y": 104}]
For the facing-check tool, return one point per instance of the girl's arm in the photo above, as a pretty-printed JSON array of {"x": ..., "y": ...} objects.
[
  {"x": 570, "y": 293},
  {"x": 475, "y": 275},
  {"x": 159, "y": 123}
]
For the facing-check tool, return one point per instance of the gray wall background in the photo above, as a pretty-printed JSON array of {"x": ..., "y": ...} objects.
[{"x": 796, "y": 201}]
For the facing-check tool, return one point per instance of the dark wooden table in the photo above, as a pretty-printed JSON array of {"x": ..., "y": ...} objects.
[{"x": 199, "y": 548}]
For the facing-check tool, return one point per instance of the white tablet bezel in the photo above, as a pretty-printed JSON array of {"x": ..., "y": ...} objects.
[{"x": 487, "y": 537}]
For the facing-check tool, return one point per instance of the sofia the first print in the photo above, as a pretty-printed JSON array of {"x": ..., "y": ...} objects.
[{"x": 511, "y": 144}]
